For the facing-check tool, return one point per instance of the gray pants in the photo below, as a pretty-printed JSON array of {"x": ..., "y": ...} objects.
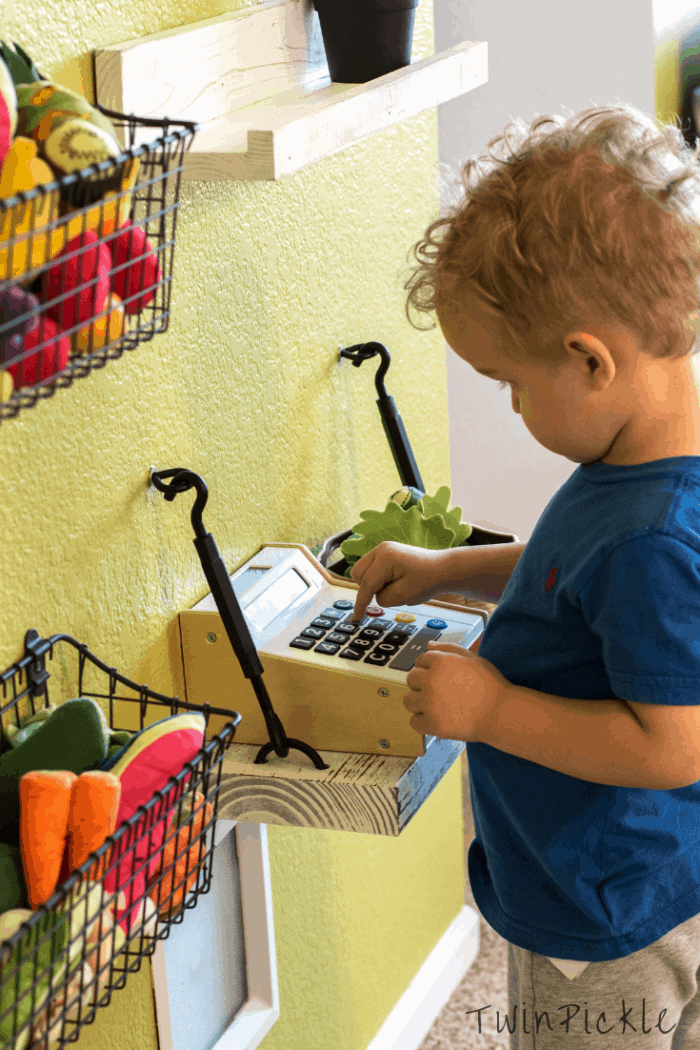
[{"x": 649, "y": 1000}]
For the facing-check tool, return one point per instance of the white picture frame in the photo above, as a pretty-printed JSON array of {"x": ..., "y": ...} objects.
[{"x": 260, "y": 1011}]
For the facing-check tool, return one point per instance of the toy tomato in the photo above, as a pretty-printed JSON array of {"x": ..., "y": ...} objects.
[
  {"x": 136, "y": 268},
  {"x": 54, "y": 356},
  {"x": 82, "y": 268}
]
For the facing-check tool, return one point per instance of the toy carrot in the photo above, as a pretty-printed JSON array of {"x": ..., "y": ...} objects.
[
  {"x": 93, "y": 812},
  {"x": 188, "y": 861},
  {"x": 44, "y": 802}
]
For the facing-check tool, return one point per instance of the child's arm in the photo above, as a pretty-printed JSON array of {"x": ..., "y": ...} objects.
[
  {"x": 460, "y": 696},
  {"x": 399, "y": 574}
]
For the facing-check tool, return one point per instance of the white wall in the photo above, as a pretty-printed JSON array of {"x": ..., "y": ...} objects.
[{"x": 543, "y": 56}]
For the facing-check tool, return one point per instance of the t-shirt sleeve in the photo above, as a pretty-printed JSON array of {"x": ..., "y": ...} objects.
[{"x": 643, "y": 602}]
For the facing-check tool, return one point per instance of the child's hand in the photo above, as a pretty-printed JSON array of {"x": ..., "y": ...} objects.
[
  {"x": 453, "y": 692},
  {"x": 398, "y": 574}
]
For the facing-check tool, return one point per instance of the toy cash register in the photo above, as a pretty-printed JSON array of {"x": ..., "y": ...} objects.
[{"x": 335, "y": 684}]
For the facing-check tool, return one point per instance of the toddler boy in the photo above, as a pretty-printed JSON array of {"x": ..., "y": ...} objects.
[{"x": 569, "y": 274}]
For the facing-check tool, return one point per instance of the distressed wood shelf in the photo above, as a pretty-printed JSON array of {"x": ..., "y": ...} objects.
[
  {"x": 257, "y": 83},
  {"x": 372, "y": 794}
]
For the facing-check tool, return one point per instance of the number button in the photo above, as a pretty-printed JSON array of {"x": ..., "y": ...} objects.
[
  {"x": 327, "y": 648},
  {"x": 323, "y": 622},
  {"x": 312, "y": 632}
]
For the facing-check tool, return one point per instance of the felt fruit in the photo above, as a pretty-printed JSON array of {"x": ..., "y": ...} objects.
[
  {"x": 44, "y": 105},
  {"x": 184, "y": 852},
  {"x": 19, "y": 314},
  {"x": 22, "y": 169},
  {"x": 102, "y": 331},
  {"x": 82, "y": 268},
  {"x": 114, "y": 209},
  {"x": 76, "y": 144},
  {"x": 6, "y": 386},
  {"x": 32, "y": 963},
  {"x": 136, "y": 268},
  {"x": 67, "y": 1002},
  {"x": 19, "y": 65},
  {"x": 8, "y": 110},
  {"x": 51, "y": 357}
]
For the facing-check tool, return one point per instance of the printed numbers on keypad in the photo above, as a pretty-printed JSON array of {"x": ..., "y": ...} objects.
[{"x": 375, "y": 641}]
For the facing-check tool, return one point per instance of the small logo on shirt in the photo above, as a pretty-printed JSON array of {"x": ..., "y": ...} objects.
[{"x": 550, "y": 582}]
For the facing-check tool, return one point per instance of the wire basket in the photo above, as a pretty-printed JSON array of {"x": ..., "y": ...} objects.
[
  {"x": 78, "y": 286},
  {"x": 65, "y": 961}
]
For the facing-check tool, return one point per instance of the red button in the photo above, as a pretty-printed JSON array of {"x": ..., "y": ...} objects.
[{"x": 374, "y": 610}]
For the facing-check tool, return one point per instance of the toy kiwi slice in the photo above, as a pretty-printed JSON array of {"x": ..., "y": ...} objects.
[
  {"x": 44, "y": 106},
  {"x": 76, "y": 143}
]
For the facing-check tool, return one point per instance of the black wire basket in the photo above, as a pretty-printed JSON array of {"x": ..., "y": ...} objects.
[
  {"x": 73, "y": 951},
  {"x": 86, "y": 263}
]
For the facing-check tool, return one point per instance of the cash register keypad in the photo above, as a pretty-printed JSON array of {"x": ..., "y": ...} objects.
[{"x": 375, "y": 641}]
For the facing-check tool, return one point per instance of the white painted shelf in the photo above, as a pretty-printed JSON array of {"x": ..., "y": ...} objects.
[{"x": 257, "y": 83}]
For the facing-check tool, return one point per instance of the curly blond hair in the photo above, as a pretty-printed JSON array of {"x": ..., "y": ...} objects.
[{"x": 590, "y": 215}]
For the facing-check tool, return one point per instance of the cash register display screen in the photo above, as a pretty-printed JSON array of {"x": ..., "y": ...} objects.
[{"x": 275, "y": 599}]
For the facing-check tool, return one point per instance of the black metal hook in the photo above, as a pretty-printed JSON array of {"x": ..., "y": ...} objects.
[
  {"x": 183, "y": 480},
  {"x": 362, "y": 352},
  {"x": 231, "y": 613},
  {"x": 391, "y": 420}
]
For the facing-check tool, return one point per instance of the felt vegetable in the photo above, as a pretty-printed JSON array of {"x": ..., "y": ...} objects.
[
  {"x": 45, "y": 797},
  {"x": 19, "y": 313},
  {"x": 74, "y": 737},
  {"x": 13, "y": 890},
  {"x": 114, "y": 209},
  {"x": 25, "y": 971},
  {"x": 17, "y": 734},
  {"x": 51, "y": 356},
  {"x": 92, "y": 816},
  {"x": 136, "y": 268},
  {"x": 427, "y": 524},
  {"x": 19, "y": 65},
  {"x": 168, "y": 892},
  {"x": 103, "y": 330},
  {"x": 44, "y": 105},
  {"x": 82, "y": 268}
]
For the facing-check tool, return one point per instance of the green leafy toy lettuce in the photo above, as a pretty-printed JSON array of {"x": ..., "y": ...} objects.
[{"x": 410, "y": 517}]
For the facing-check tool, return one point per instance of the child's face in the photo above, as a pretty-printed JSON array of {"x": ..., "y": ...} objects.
[{"x": 561, "y": 405}]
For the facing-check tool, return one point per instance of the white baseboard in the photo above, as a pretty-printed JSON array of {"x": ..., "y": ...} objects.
[{"x": 407, "y": 1025}]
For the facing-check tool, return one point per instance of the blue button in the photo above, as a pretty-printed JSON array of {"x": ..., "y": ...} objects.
[
  {"x": 436, "y": 624},
  {"x": 342, "y": 604}
]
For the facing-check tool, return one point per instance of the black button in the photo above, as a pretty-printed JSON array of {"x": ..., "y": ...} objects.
[
  {"x": 371, "y": 632},
  {"x": 410, "y": 653},
  {"x": 345, "y": 628},
  {"x": 396, "y": 638},
  {"x": 323, "y": 622},
  {"x": 385, "y": 647},
  {"x": 356, "y": 623},
  {"x": 351, "y": 654},
  {"x": 336, "y": 636},
  {"x": 327, "y": 648},
  {"x": 302, "y": 643},
  {"x": 332, "y": 614},
  {"x": 312, "y": 632},
  {"x": 365, "y": 644},
  {"x": 378, "y": 659}
]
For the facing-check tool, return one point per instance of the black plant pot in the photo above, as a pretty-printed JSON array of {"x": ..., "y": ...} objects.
[{"x": 364, "y": 39}]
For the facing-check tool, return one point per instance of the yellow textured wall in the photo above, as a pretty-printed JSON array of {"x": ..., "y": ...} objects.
[{"x": 245, "y": 389}]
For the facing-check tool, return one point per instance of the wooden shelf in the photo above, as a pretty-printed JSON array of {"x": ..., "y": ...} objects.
[
  {"x": 372, "y": 794},
  {"x": 257, "y": 83}
]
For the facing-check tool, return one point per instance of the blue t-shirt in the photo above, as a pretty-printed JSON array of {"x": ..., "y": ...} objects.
[{"x": 604, "y": 602}]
